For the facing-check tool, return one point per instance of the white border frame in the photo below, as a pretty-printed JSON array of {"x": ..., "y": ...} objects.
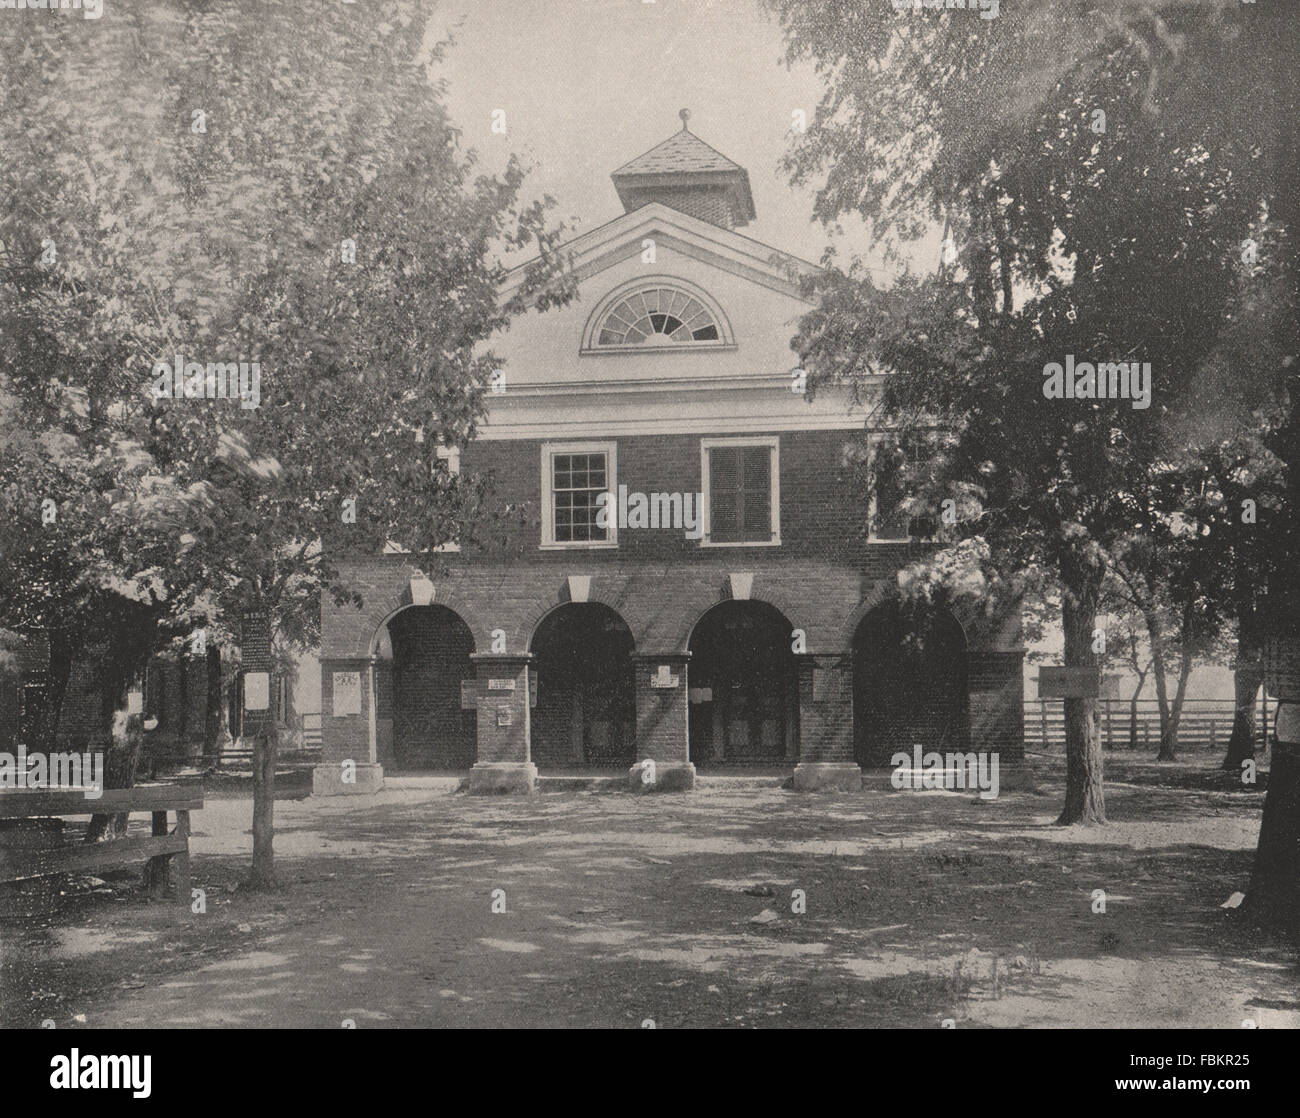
[
  {"x": 549, "y": 450},
  {"x": 774, "y": 443}
]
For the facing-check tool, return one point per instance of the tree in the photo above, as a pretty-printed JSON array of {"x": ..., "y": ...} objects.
[
  {"x": 1101, "y": 168},
  {"x": 301, "y": 202},
  {"x": 1126, "y": 645}
]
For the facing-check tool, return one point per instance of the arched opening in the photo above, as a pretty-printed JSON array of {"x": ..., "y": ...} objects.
[
  {"x": 909, "y": 685},
  {"x": 585, "y": 707},
  {"x": 422, "y": 722},
  {"x": 743, "y": 686}
]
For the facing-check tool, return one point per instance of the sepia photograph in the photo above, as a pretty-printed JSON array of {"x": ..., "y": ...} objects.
[{"x": 650, "y": 514}]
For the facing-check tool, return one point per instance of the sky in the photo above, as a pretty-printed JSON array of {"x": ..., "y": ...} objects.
[{"x": 587, "y": 85}]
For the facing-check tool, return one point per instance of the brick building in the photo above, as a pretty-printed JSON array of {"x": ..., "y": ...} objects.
[{"x": 764, "y": 634}]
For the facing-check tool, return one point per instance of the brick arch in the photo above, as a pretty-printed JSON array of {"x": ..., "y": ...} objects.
[
  {"x": 538, "y": 607},
  {"x": 536, "y": 619},
  {"x": 965, "y": 614},
  {"x": 380, "y": 616},
  {"x": 776, "y": 601}
]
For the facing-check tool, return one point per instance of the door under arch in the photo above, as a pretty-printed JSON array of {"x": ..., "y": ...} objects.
[
  {"x": 909, "y": 686},
  {"x": 586, "y": 701},
  {"x": 431, "y": 660},
  {"x": 744, "y": 686}
]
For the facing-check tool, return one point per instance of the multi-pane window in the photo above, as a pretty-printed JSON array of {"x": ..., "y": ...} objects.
[
  {"x": 657, "y": 316},
  {"x": 741, "y": 486},
  {"x": 576, "y": 476},
  {"x": 897, "y": 467}
]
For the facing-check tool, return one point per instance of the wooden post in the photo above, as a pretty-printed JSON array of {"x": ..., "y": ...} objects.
[
  {"x": 1212, "y": 735},
  {"x": 1110, "y": 733},
  {"x": 1042, "y": 705},
  {"x": 156, "y": 871},
  {"x": 183, "y": 860},
  {"x": 1263, "y": 714}
]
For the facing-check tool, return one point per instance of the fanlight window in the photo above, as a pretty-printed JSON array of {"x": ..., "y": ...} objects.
[{"x": 658, "y": 316}]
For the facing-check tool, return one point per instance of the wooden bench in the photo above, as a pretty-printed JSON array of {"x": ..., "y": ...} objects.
[{"x": 157, "y": 849}]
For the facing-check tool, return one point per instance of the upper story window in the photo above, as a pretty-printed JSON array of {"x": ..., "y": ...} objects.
[
  {"x": 656, "y": 316},
  {"x": 656, "y": 313},
  {"x": 573, "y": 477},
  {"x": 898, "y": 462},
  {"x": 742, "y": 491}
]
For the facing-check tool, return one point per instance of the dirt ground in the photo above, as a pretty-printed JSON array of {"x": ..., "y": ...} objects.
[{"x": 622, "y": 910}]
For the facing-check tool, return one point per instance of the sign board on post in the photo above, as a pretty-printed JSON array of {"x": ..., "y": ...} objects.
[
  {"x": 664, "y": 678},
  {"x": 255, "y": 641},
  {"x": 256, "y": 664},
  {"x": 347, "y": 694},
  {"x": 1076, "y": 683},
  {"x": 257, "y": 691}
]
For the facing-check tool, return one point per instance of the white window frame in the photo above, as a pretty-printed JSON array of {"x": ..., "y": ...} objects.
[
  {"x": 873, "y": 443},
  {"x": 774, "y": 443},
  {"x": 549, "y": 451}
]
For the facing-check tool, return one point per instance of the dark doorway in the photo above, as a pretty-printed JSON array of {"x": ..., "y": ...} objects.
[
  {"x": 909, "y": 685},
  {"x": 431, "y": 659},
  {"x": 744, "y": 686},
  {"x": 585, "y": 713}
]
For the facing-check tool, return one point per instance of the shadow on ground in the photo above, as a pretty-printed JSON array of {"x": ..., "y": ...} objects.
[{"x": 418, "y": 907}]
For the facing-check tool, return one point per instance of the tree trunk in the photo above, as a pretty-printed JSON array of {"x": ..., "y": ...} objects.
[
  {"x": 120, "y": 761},
  {"x": 1133, "y": 711},
  {"x": 264, "y": 750},
  {"x": 1156, "y": 635},
  {"x": 1248, "y": 676},
  {"x": 1274, "y": 893},
  {"x": 1273, "y": 896},
  {"x": 1169, "y": 731},
  {"x": 45, "y": 731},
  {"x": 1084, "y": 799},
  {"x": 216, "y": 730}
]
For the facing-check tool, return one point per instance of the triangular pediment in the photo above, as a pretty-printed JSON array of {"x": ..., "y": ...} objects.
[{"x": 624, "y": 237}]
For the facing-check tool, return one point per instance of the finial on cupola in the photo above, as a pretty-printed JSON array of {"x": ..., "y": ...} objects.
[{"x": 685, "y": 114}]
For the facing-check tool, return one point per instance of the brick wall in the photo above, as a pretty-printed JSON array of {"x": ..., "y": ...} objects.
[
  {"x": 823, "y": 508},
  {"x": 824, "y": 579},
  {"x": 345, "y": 738},
  {"x": 997, "y": 712},
  {"x": 825, "y": 710}
]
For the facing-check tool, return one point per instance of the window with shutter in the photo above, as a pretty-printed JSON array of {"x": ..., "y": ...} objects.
[{"x": 740, "y": 476}]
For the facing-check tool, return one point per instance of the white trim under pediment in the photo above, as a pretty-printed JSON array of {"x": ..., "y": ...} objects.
[{"x": 615, "y": 240}]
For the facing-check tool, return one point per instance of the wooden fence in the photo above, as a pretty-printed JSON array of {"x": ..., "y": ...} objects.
[
  {"x": 306, "y": 752},
  {"x": 1205, "y": 723}
]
